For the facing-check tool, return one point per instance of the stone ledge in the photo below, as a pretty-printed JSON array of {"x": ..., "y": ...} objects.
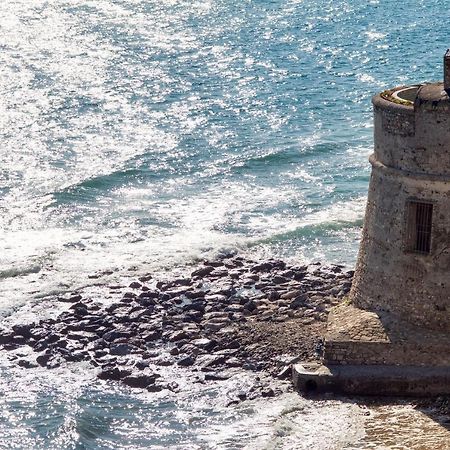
[{"x": 372, "y": 380}]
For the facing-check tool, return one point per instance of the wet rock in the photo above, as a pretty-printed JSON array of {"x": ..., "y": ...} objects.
[
  {"x": 291, "y": 294},
  {"x": 121, "y": 349},
  {"x": 207, "y": 361},
  {"x": 299, "y": 302},
  {"x": 164, "y": 362},
  {"x": 250, "y": 306},
  {"x": 23, "y": 329},
  {"x": 6, "y": 337},
  {"x": 113, "y": 373},
  {"x": 216, "y": 376},
  {"x": 204, "y": 343},
  {"x": 142, "y": 364},
  {"x": 82, "y": 336},
  {"x": 186, "y": 361},
  {"x": 26, "y": 363},
  {"x": 71, "y": 299},
  {"x": 145, "y": 278},
  {"x": 141, "y": 381},
  {"x": 268, "y": 392},
  {"x": 154, "y": 388},
  {"x": 43, "y": 359},
  {"x": 233, "y": 362},
  {"x": 151, "y": 336},
  {"x": 203, "y": 271}
]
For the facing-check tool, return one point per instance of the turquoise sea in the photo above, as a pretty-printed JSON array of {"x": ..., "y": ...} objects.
[{"x": 141, "y": 136}]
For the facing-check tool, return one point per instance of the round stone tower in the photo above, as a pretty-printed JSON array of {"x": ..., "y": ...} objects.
[
  {"x": 393, "y": 336},
  {"x": 403, "y": 266}
]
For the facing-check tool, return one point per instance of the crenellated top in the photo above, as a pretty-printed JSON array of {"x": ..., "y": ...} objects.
[{"x": 412, "y": 130}]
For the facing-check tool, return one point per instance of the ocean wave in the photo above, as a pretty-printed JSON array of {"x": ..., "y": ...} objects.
[{"x": 19, "y": 270}]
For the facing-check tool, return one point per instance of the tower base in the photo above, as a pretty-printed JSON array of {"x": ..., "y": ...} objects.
[{"x": 369, "y": 353}]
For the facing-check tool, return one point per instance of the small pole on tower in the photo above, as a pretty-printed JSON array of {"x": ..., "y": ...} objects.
[{"x": 447, "y": 72}]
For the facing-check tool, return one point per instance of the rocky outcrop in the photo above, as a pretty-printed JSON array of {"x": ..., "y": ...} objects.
[{"x": 231, "y": 312}]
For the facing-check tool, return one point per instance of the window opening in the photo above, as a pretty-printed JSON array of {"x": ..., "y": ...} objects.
[{"x": 420, "y": 216}]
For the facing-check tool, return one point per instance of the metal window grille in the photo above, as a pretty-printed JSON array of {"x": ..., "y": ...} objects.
[{"x": 420, "y": 216}]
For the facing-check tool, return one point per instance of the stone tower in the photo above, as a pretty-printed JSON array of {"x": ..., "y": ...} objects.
[
  {"x": 404, "y": 259},
  {"x": 393, "y": 334}
]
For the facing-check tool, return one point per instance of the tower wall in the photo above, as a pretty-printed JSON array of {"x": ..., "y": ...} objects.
[{"x": 411, "y": 162}]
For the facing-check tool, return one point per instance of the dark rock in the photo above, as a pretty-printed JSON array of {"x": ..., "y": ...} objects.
[
  {"x": 82, "y": 335},
  {"x": 215, "y": 376},
  {"x": 143, "y": 364},
  {"x": 250, "y": 305},
  {"x": 179, "y": 335},
  {"x": 204, "y": 343},
  {"x": 135, "y": 285},
  {"x": 154, "y": 388},
  {"x": 6, "y": 338},
  {"x": 145, "y": 278},
  {"x": 299, "y": 302},
  {"x": 163, "y": 362},
  {"x": 151, "y": 336},
  {"x": 273, "y": 295},
  {"x": 26, "y": 363},
  {"x": 72, "y": 299},
  {"x": 207, "y": 361},
  {"x": 43, "y": 359},
  {"x": 23, "y": 329},
  {"x": 148, "y": 294},
  {"x": 214, "y": 263},
  {"x": 186, "y": 361},
  {"x": 139, "y": 381},
  {"x": 113, "y": 373},
  {"x": 233, "y": 362},
  {"x": 121, "y": 349},
  {"x": 277, "y": 279},
  {"x": 203, "y": 271},
  {"x": 116, "y": 334},
  {"x": 268, "y": 392}
]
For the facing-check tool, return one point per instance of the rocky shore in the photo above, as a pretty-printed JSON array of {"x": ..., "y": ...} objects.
[{"x": 230, "y": 313}]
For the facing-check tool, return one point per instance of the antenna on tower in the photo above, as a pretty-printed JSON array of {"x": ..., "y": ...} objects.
[{"x": 447, "y": 72}]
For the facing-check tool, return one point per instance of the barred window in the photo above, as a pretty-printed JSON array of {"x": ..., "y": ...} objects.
[{"x": 419, "y": 222}]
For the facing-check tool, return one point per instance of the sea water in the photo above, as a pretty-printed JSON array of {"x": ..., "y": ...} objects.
[{"x": 141, "y": 136}]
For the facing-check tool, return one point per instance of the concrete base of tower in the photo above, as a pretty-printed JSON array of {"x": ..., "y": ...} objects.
[
  {"x": 378, "y": 354},
  {"x": 372, "y": 380},
  {"x": 359, "y": 337}
]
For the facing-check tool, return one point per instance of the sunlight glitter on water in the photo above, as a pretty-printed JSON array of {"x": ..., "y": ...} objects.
[{"x": 139, "y": 136}]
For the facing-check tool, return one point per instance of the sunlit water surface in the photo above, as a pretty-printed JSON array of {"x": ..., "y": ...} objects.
[{"x": 140, "y": 136}]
